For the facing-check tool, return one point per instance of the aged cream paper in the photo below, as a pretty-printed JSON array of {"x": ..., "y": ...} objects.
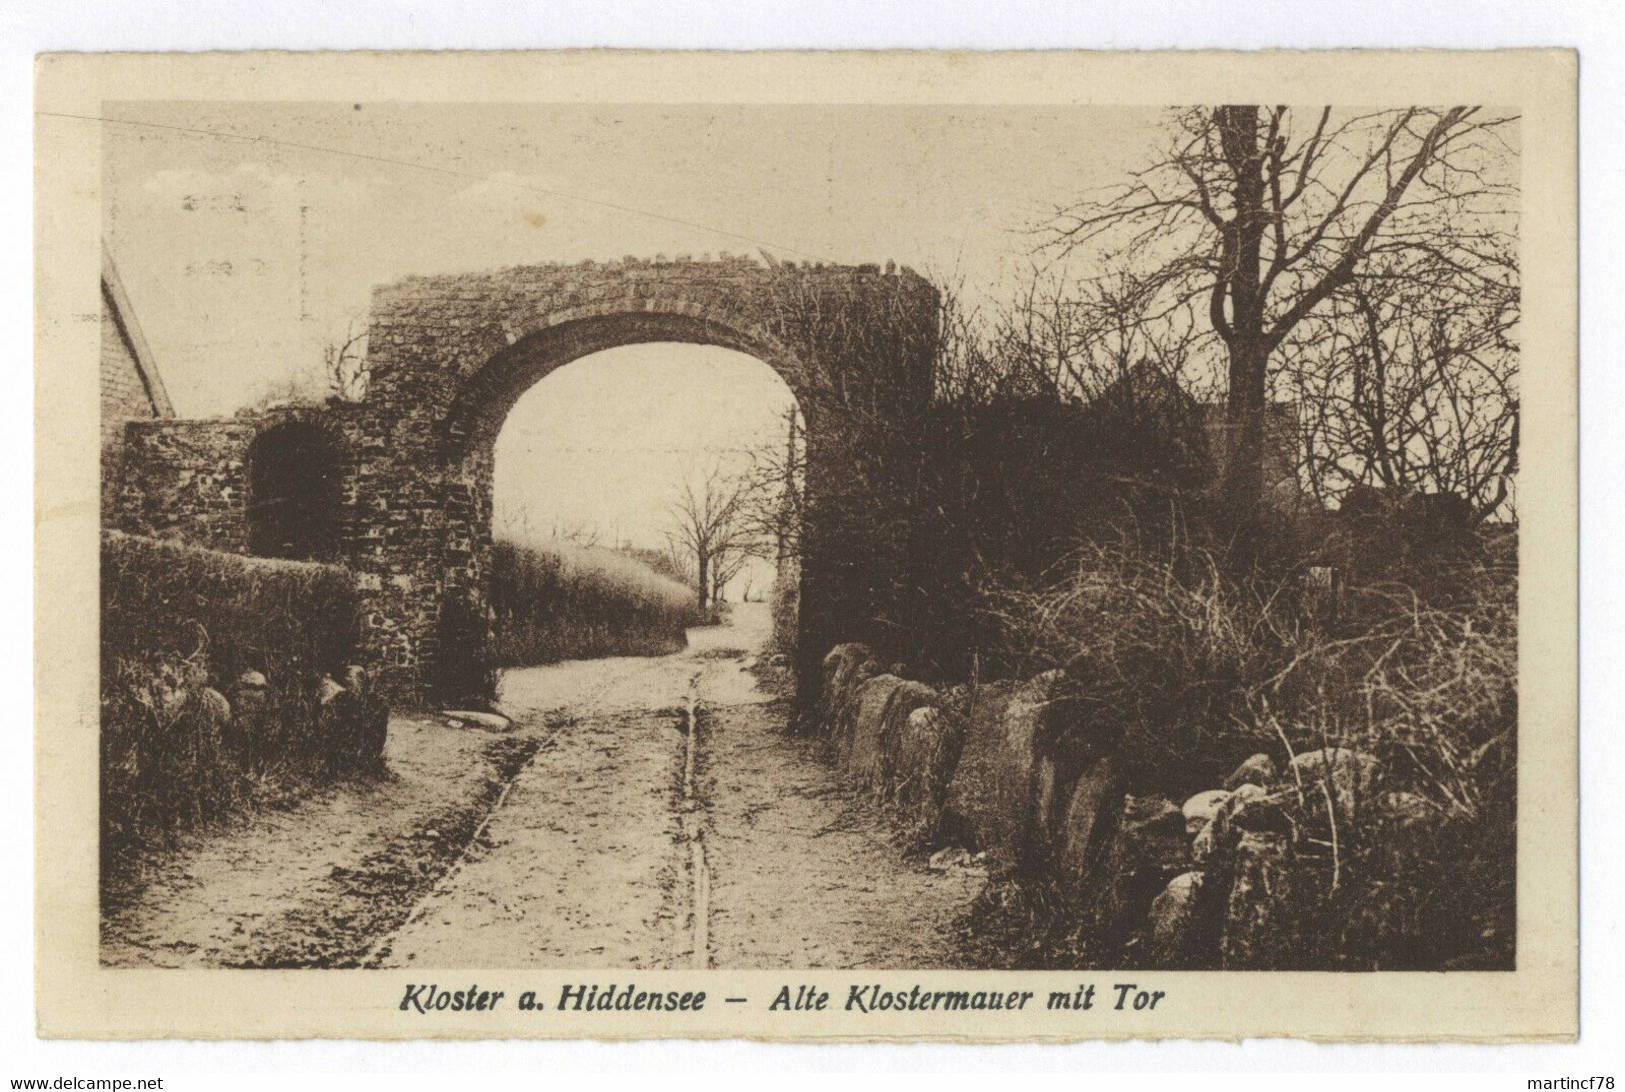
[{"x": 79, "y": 996}]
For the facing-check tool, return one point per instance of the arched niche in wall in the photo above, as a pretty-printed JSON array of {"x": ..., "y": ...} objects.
[{"x": 295, "y": 493}]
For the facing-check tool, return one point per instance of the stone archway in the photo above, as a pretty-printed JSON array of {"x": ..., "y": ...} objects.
[{"x": 449, "y": 356}]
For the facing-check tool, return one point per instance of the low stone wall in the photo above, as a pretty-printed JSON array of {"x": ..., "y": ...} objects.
[{"x": 994, "y": 775}]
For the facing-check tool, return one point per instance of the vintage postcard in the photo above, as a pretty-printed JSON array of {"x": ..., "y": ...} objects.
[{"x": 807, "y": 546}]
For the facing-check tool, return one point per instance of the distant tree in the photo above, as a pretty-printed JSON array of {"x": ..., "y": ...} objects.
[{"x": 707, "y": 529}]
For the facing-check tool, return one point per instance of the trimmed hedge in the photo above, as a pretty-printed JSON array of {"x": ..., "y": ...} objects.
[
  {"x": 566, "y": 602},
  {"x": 286, "y": 619},
  {"x": 178, "y": 621}
]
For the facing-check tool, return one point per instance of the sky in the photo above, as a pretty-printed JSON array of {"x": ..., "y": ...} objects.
[
  {"x": 243, "y": 256},
  {"x": 602, "y": 445},
  {"x": 248, "y": 235}
]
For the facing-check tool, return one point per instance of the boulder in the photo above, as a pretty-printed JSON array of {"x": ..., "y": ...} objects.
[
  {"x": 1234, "y": 804},
  {"x": 858, "y": 748},
  {"x": 1249, "y": 807},
  {"x": 1045, "y": 805},
  {"x": 1002, "y": 796},
  {"x": 841, "y": 664},
  {"x": 328, "y": 691},
  {"x": 1259, "y": 770},
  {"x": 198, "y": 719},
  {"x": 373, "y": 734},
  {"x": 214, "y": 705},
  {"x": 1347, "y": 772},
  {"x": 905, "y": 701},
  {"x": 949, "y": 857},
  {"x": 1201, "y": 808},
  {"x": 927, "y": 751},
  {"x": 988, "y": 801},
  {"x": 354, "y": 678},
  {"x": 1170, "y": 923},
  {"x": 841, "y": 658},
  {"x": 249, "y": 730},
  {"x": 1259, "y": 813},
  {"x": 1154, "y": 828},
  {"x": 206, "y": 715},
  {"x": 337, "y": 722},
  {"x": 846, "y": 668},
  {"x": 1256, "y": 913},
  {"x": 1149, "y": 849},
  {"x": 474, "y": 718},
  {"x": 1087, "y": 822},
  {"x": 1205, "y": 842}
]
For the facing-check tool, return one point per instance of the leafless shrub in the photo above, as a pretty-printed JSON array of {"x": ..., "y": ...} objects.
[
  {"x": 1194, "y": 669},
  {"x": 344, "y": 362}
]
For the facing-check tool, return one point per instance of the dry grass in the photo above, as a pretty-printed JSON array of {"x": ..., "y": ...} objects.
[{"x": 1193, "y": 669}]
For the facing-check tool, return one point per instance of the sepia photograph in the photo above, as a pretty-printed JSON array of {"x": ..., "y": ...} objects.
[
  {"x": 1134, "y": 586},
  {"x": 883, "y": 538}
]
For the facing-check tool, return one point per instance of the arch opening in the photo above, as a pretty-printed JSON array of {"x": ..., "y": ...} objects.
[
  {"x": 634, "y": 493},
  {"x": 450, "y": 357},
  {"x": 486, "y": 399}
]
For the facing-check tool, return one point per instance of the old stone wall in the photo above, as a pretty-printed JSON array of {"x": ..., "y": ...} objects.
[
  {"x": 186, "y": 480},
  {"x": 447, "y": 358},
  {"x": 1132, "y": 878}
]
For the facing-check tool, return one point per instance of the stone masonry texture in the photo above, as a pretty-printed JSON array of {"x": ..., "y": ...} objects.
[{"x": 449, "y": 355}]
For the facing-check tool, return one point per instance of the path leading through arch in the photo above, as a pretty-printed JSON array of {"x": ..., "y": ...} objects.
[{"x": 569, "y": 842}]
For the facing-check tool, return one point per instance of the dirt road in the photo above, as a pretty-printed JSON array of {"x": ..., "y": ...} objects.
[
  {"x": 649, "y": 812},
  {"x": 590, "y": 861}
]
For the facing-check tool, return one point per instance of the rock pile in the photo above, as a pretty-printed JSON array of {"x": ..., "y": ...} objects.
[
  {"x": 1000, "y": 773},
  {"x": 351, "y": 722}
]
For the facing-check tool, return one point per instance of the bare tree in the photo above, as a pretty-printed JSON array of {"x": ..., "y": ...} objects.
[
  {"x": 727, "y": 564},
  {"x": 1408, "y": 381},
  {"x": 344, "y": 360},
  {"x": 708, "y": 530},
  {"x": 772, "y": 497},
  {"x": 1261, "y": 215}
]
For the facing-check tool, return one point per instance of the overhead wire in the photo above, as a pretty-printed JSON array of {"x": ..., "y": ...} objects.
[{"x": 257, "y": 138}]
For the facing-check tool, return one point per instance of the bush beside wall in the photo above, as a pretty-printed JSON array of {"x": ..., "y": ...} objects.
[
  {"x": 1212, "y": 770},
  {"x": 181, "y": 740},
  {"x": 786, "y": 606}
]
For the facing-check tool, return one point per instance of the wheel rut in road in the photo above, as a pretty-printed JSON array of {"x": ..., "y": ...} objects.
[{"x": 671, "y": 821}]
